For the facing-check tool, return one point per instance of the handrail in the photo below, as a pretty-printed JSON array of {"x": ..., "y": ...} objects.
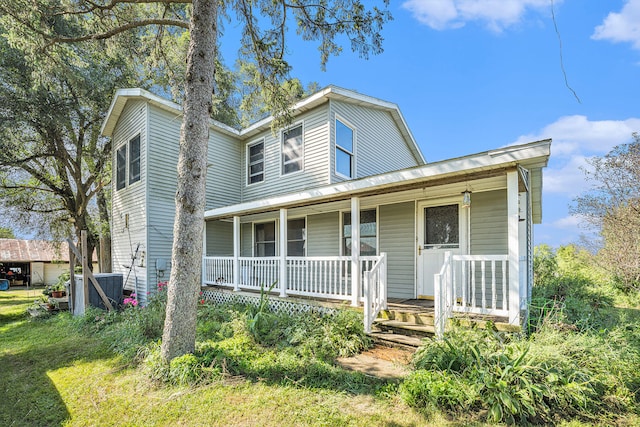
[
  {"x": 375, "y": 291},
  {"x": 442, "y": 295}
]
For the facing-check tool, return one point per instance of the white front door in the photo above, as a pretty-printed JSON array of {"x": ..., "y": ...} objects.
[{"x": 441, "y": 227}]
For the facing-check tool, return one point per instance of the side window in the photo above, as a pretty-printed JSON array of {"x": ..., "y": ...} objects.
[
  {"x": 265, "y": 239},
  {"x": 121, "y": 167},
  {"x": 368, "y": 233},
  {"x": 296, "y": 237},
  {"x": 292, "y": 150},
  {"x": 344, "y": 149},
  {"x": 255, "y": 162},
  {"x": 134, "y": 160}
]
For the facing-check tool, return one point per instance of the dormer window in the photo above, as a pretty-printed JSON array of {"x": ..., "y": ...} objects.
[
  {"x": 292, "y": 150},
  {"x": 344, "y": 150}
]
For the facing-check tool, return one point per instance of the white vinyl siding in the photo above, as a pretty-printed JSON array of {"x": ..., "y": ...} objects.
[
  {"x": 380, "y": 144},
  {"x": 129, "y": 219},
  {"x": 246, "y": 239},
  {"x": 397, "y": 239},
  {"x": 315, "y": 133}
]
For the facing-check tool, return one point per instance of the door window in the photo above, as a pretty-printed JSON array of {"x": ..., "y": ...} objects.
[{"x": 441, "y": 227}]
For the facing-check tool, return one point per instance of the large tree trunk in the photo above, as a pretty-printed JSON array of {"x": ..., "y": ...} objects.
[{"x": 179, "y": 336}]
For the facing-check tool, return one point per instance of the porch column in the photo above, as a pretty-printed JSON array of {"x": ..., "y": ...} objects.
[
  {"x": 283, "y": 253},
  {"x": 236, "y": 253},
  {"x": 204, "y": 253},
  {"x": 355, "y": 251},
  {"x": 513, "y": 226}
]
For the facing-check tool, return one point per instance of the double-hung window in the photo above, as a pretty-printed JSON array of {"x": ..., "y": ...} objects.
[
  {"x": 368, "y": 233},
  {"x": 121, "y": 167},
  {"x": 265, "y": 239},
  {"x": 292, "y": 150},
  {"x": 255, "y": 162},
  {"x": 134, "y": 159},
  {"x": 296, "y": 237},
  {"x": 344, "y": 149}
]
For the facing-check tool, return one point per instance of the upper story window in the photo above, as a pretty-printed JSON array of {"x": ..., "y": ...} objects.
[
  {"x": 134, "y": 159},
  {"x": 121, "y": 167},
  {"x": 255, "y": 162},
  {"x": 296, "y": 237},
  {"x": 368, "y": 233},
  {"x": 265, "y": 239},
  {"x": 292, "y": 150},
  {"x": 344, "y": 149}
]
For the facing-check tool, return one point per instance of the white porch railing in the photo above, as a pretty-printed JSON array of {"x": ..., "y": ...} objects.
[
  {"x": 474, "y": 284},
  {"x": 375, "y": 291},
  {"x": 319, "y": 277}
]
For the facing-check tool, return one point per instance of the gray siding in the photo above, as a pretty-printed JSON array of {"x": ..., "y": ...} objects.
[
  {"x": 316, "y": 141},
  {"x": 379, "y": 145},
  {"x": 164, "y": 139},
  {"x": 219, "y": 238},
  {"x": 246, "y": 239},
  {"x": 397, "y": 239},
  {"x": 489, "y": 223},
  {"x": 323, "y": 234},
  {"x": 130, "y": 201},
  {"x": 489, "y": 234},
  {"x": 222, "y": 185}
]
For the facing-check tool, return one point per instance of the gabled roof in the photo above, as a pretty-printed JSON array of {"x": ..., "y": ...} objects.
[
  {"x": 533, "y": 156},
  {"x": 330, "y": 92},
  {"x": 15, "y": 250}
]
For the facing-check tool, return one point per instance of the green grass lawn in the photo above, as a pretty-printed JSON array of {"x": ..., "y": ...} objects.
[{"x": 51, "y": 375}]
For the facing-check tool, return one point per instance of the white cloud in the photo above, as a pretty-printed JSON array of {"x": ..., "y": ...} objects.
[
  {"x": 575, "y": 139},
  {"x": 578, "y": 135},
  {"x": 623, "y": 26},
  {"x": 496, "y": 14}
]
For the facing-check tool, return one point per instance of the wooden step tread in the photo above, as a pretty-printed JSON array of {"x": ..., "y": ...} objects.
[
  {"x": 428, "y": 329},
  {"x": 393, "y": 339}
]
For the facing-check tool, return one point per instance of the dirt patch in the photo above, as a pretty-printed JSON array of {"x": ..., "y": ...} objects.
[{"x": 379, "y": 361}]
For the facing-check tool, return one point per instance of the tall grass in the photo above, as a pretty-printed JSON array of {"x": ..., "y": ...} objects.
[{"x": 579, "y": 361}]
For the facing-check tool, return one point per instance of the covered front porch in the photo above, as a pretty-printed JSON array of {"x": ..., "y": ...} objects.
[{"x": 403, "y": 235}]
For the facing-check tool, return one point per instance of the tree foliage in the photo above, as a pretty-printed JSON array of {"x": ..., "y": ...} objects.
[
  {"x": 6, "y": 233},
  {"x": 612, "y": 205}
]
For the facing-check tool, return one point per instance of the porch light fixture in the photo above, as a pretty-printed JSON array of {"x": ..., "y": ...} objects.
[{"x": 466, "y": 199}]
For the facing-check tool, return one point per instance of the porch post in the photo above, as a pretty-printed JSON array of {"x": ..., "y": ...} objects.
[
  {"x": 236, "y": 253},
  {"x": 513, "y": 226},
  {"x": 204, "y": 253},
  {"x": 355, "y": 251},
  {"x": 283, "y": 253}
]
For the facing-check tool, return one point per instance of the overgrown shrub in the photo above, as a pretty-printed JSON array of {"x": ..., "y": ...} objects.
[{"x": 553, "y": 375}]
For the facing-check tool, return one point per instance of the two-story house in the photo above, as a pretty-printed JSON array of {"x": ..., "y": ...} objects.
[{"x": 280, "y": 207}]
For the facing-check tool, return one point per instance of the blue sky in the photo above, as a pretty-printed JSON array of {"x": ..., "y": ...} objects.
[{"x": 474, "y": 75}]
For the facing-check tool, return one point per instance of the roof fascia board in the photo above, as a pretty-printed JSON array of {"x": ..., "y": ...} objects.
[{"x": 536, "y": 152}]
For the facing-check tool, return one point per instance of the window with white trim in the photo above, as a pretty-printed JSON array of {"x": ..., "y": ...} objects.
[
  {"x": 344, "y": 149},
  {"x": 121, "y": 167},
  {"x": 368, "y": 233},
  {"x": 296, "y": 237},
  {"x": 265, "y": 239},
  {"x": 255, "y": 162},
  {"x": 134, "y": 159},
  {"x": 292, "y": 150}
]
